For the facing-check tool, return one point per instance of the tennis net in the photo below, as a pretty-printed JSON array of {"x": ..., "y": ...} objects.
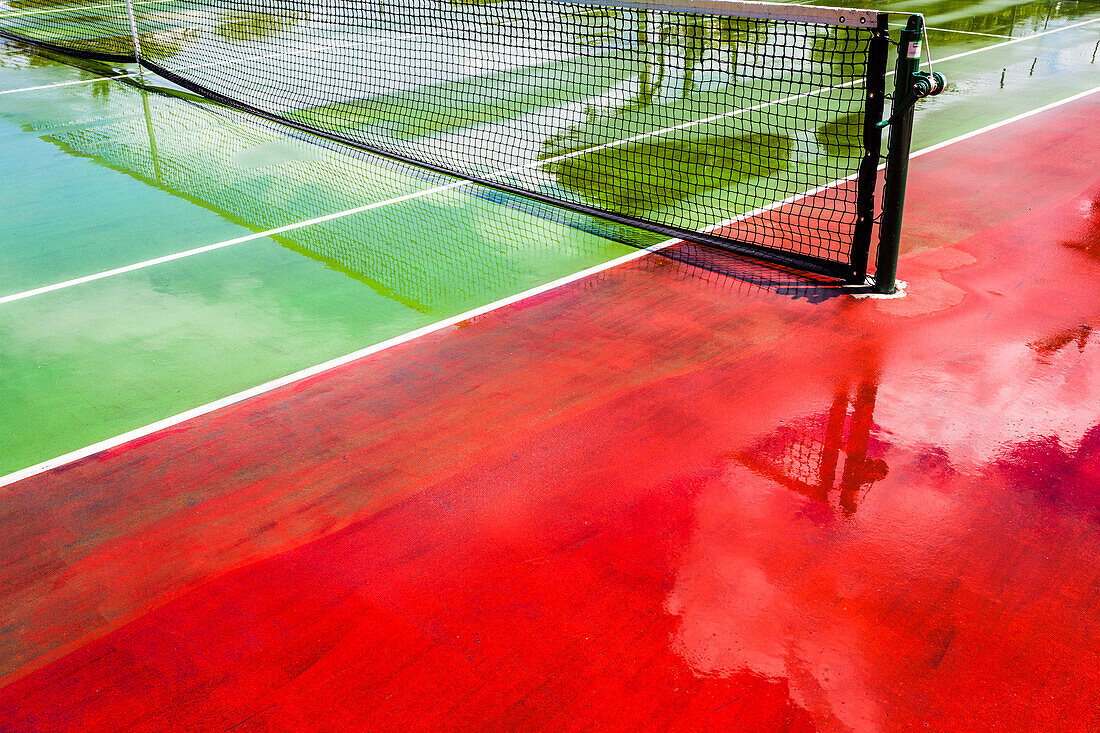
[{"x": 747, "y": 126}]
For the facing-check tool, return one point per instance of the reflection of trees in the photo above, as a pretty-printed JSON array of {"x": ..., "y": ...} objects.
[
  {"x": 254, "y": 26},
  {"x": 645, "y": 82},
  {"x": 101, "y": 89},
  {"x": 162, "y": 45},
  {"x": 644, "y": 177},
  {"x": 673, "y": 50},
  {"x": 838, "y": 52},
  {"x": 690, "y": 67},
  {"x": 843, "y": 136},
  {"x": 1047, "y": 347},
  {"x": 669, "y": 42},
  {"x": 1007, "y": 18}
]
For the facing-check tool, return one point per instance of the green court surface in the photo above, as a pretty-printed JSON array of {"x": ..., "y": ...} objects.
[{"x": 102, "y": 175}]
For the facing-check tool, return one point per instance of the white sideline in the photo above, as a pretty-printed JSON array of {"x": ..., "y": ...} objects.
[
  {"x": 146, "y": 430},
  {"x": 1021, "y": 39},
  {"x": 227, "y": 243},
  {"x": 1002, "y": 123},
  {"x": 168, "y": 422},
  {"x": 68, "y": 83}
]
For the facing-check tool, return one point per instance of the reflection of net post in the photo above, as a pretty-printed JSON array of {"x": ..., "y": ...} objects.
[
  {"x": 860, "y": 473},
  {"x": 805, "y": 456}
]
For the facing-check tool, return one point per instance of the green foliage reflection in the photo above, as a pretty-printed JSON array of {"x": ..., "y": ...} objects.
[
  {"x": 640, "y": 178},
  {"x": 254, "y": 26}
]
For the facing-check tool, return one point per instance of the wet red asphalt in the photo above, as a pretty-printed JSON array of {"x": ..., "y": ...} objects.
[{"x": 650, "y": 499}]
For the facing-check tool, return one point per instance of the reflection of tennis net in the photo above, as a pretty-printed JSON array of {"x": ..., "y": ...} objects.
[
  {"x": 806, "y": 455},
  {"x": 677, "y": 117}
]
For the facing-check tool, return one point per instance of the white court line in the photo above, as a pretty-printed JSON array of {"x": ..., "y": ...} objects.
[
  {"x": 69, "y": 83},
  {"x": 228, "y": 243},
  {"x": 80, "y": 9},
  {"x": 305, "y": 373},
  {"x": 168, "y": 422},
  {"x": 1021, "y": 39},
  {"x": 1002, "y": 123}
]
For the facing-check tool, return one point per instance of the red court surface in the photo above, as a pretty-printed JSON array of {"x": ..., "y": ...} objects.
[{"x": 645, "y": 500}]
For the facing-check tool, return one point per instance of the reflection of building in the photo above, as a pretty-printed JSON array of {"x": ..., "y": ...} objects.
[{"x": 825, "y": 456}]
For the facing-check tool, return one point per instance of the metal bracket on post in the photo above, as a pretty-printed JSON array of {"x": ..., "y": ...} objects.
[
  {"x": 910, "y": 84},
  {"x": 134, "y": 37}
]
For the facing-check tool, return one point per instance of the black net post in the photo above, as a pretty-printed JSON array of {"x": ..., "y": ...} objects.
[
  {"x": 897, "y": 158},
  {"x": 867, "y": 180}
]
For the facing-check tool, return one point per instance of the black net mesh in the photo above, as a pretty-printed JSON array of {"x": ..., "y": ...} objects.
[
  {"x": 750, "y": 130},
  {"x": 99, "y": 30}
]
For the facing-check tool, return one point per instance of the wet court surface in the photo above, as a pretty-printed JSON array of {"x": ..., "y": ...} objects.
[{"x": 681, "y": 492}]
